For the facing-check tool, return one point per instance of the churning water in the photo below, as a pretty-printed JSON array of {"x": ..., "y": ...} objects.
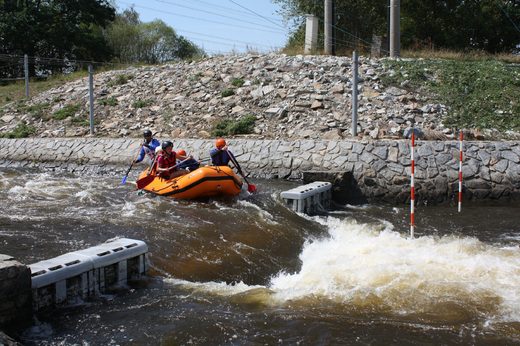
[{"x": 250, "y": 271}]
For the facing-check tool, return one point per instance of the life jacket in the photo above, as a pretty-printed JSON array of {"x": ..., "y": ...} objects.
[
  {"x": 219, "y": 157},
  {"x": 166, "y": 161}
]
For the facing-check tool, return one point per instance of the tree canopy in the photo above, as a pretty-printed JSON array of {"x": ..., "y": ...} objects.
[
  {"x": 61, "y": 29},
  {"x": 52, "y": 32},
  {"x": 153, "y": 42},
  {"x": 489, "y": 25}
]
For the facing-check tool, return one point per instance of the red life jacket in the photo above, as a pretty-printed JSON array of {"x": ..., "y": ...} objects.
[{"x": 166, "y": 161}]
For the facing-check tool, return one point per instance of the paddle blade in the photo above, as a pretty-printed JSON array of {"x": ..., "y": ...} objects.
[
  {"x": 123, "y": 182},
  {"x": 251, "y": 188},
  {"x": 141, "y": 183}
]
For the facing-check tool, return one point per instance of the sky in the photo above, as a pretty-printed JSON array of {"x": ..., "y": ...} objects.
[{"x": 218, "y": 26}]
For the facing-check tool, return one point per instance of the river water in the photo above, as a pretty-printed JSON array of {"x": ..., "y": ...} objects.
[{"x": 250, "y": 271}]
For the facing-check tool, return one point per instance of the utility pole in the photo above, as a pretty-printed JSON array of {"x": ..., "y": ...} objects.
[
  {"x": 26, "y": 70},
  {"x": 328, "y": 27},
  {"x": 91, "y": 96},
  {"x": 395, "y": 32},
  {"x": 311, "y": 34},
  {"x": 353, "y": 131}
]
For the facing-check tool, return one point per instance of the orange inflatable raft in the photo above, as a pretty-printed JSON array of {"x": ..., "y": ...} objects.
[{"x": 207, "y": 181}]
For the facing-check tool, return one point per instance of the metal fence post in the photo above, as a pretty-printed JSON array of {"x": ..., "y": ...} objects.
[
  {"x": 91, "y": 96},
  {"x": 354, "y": 93},
  {"x": 26, "y": 70}
]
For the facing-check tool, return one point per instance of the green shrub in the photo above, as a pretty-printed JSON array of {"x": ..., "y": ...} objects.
[
  {"x": 111, "y": 101},
  {"x": 65, "y": 112},
  {"x": 479, "y": 94},
  {"x": 141, "y": 103},
  {"x": 37, "y": 111},
  {"x": 21, "y": 130},
  {"x": 234, "y": 127},
  {"x": 227, "y": 92},
  {"x": 120, "y": 79},
  {"x": 196, "y": 77},
  {"x": 238, "y": 82}
]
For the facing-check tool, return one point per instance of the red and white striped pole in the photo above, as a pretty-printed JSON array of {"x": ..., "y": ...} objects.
[
  {"x": 460, "y": 170},
  {"x": 412, "y": 187}
]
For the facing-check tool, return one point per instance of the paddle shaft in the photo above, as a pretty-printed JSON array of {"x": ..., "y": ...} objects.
[{"x": 239, "y": 169}]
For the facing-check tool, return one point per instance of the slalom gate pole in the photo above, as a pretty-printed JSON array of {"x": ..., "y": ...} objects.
[
  {"x": 412, "y": 187},
  {"x": 460, "y": 170}
]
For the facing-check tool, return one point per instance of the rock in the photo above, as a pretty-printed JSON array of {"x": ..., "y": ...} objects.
[
  {"x": 189, "y": 95},
  {"x": 237, "y": 109},
  {"x": 395, "y": 91},
  {"x": 333, "y": 135},
  {"x": 337, "y": 89},
  {"x": 272, "y": 111},
  {"x": 407, "y": 133},
  {"x": 7, "y": 118},
  {"x": 316, "y": 105},
  {"x": 204, "y": 134}
]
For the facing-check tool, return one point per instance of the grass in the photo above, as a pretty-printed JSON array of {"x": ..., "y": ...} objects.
[
  {"x": 459, "y": 55},
  {"x": 227, "y": 127},
  {"x": 120, "y": 79},
  {"x": 21, "y": 130},
  {"x": 227, "y": 92},
  {"x": 82, "y": 121},
  {"x": 109, "y": 101},
  {"x": 16, "y": 91},
  {"x": 36, "y": 111},
  {"x": 238, "y": 82},
  {"x": 141, "y": 103},
  {"x": 196, "y": 77},
  {"x": 65, "y": 112},
  {"x": 480, "y": 93}
]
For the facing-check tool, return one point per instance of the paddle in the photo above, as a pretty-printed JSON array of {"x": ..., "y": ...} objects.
[
  {"x": 251, "y": 188},
  {"x": 144, "y": 181},
  {"x": 123, "y": 181}
]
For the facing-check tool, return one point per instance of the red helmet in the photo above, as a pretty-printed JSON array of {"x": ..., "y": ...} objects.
[
  {"x": 181, "y": 152},
  {"x": 220, "y": 142}
]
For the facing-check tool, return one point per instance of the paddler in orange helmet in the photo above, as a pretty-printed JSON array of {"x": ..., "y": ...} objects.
[{"x": 219, "y": 155}]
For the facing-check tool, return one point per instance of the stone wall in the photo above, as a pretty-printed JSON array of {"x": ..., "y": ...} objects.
[
  {"x": 380, "y": 169},
  {"x": 15, "y": 294}
]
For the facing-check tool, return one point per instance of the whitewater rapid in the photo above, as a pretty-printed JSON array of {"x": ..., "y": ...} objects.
[{"x": 371, "y": 267}]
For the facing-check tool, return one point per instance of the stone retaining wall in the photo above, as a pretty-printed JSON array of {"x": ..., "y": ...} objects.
[
  {"x": 15, "y": 294},
  {"x": 380, "y": 169}
]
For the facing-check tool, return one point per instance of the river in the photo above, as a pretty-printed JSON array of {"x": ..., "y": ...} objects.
[{"x": 250, "y": 271}]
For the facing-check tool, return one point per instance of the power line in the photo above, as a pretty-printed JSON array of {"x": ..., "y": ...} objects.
[
  {"x": 201, "y": 19},
  {"x": 259, "y": 15},
  {"x": 49, "y": 60},
  {"x": 225, "y": 8},
  {"x": 209, "y": 12},
  {"x": 516, "y": 27},
  {"x": 224, "y": 38}
]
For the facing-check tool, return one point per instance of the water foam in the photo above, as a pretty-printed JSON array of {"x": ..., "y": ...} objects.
[
  {"x": 363, "y": 264},
  {"x": 370, "y": 267}
]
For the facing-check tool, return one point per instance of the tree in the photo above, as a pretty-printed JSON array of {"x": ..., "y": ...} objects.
[
  {"x": 489, "y": 25},
  {"x": 153, "y": 42},
  {"x": 356, "y": 20},
  {"x": 55, "y": 29}
]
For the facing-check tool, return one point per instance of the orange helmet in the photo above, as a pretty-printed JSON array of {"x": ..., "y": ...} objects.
[
  {"x": 220, "y": 142},
  {"x": 181, "y": 152}
]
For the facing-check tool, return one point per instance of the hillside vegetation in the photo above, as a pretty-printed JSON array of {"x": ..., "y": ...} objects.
[
  {"x": 276, "y": 96},
  {"x": 480, "y": 94}
]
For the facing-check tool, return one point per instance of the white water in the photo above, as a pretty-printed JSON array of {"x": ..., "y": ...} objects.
[{"x": 372, "y": 267}]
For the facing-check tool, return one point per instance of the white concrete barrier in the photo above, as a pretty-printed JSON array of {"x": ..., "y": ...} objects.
[
  {"x": 87, "y": 272},
  {"x": 309, "y": 198}
]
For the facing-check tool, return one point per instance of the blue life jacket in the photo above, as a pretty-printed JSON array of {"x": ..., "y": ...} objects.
[
  {"x": 219, "y": 157},
  {"x": 148, "y": 149}
]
